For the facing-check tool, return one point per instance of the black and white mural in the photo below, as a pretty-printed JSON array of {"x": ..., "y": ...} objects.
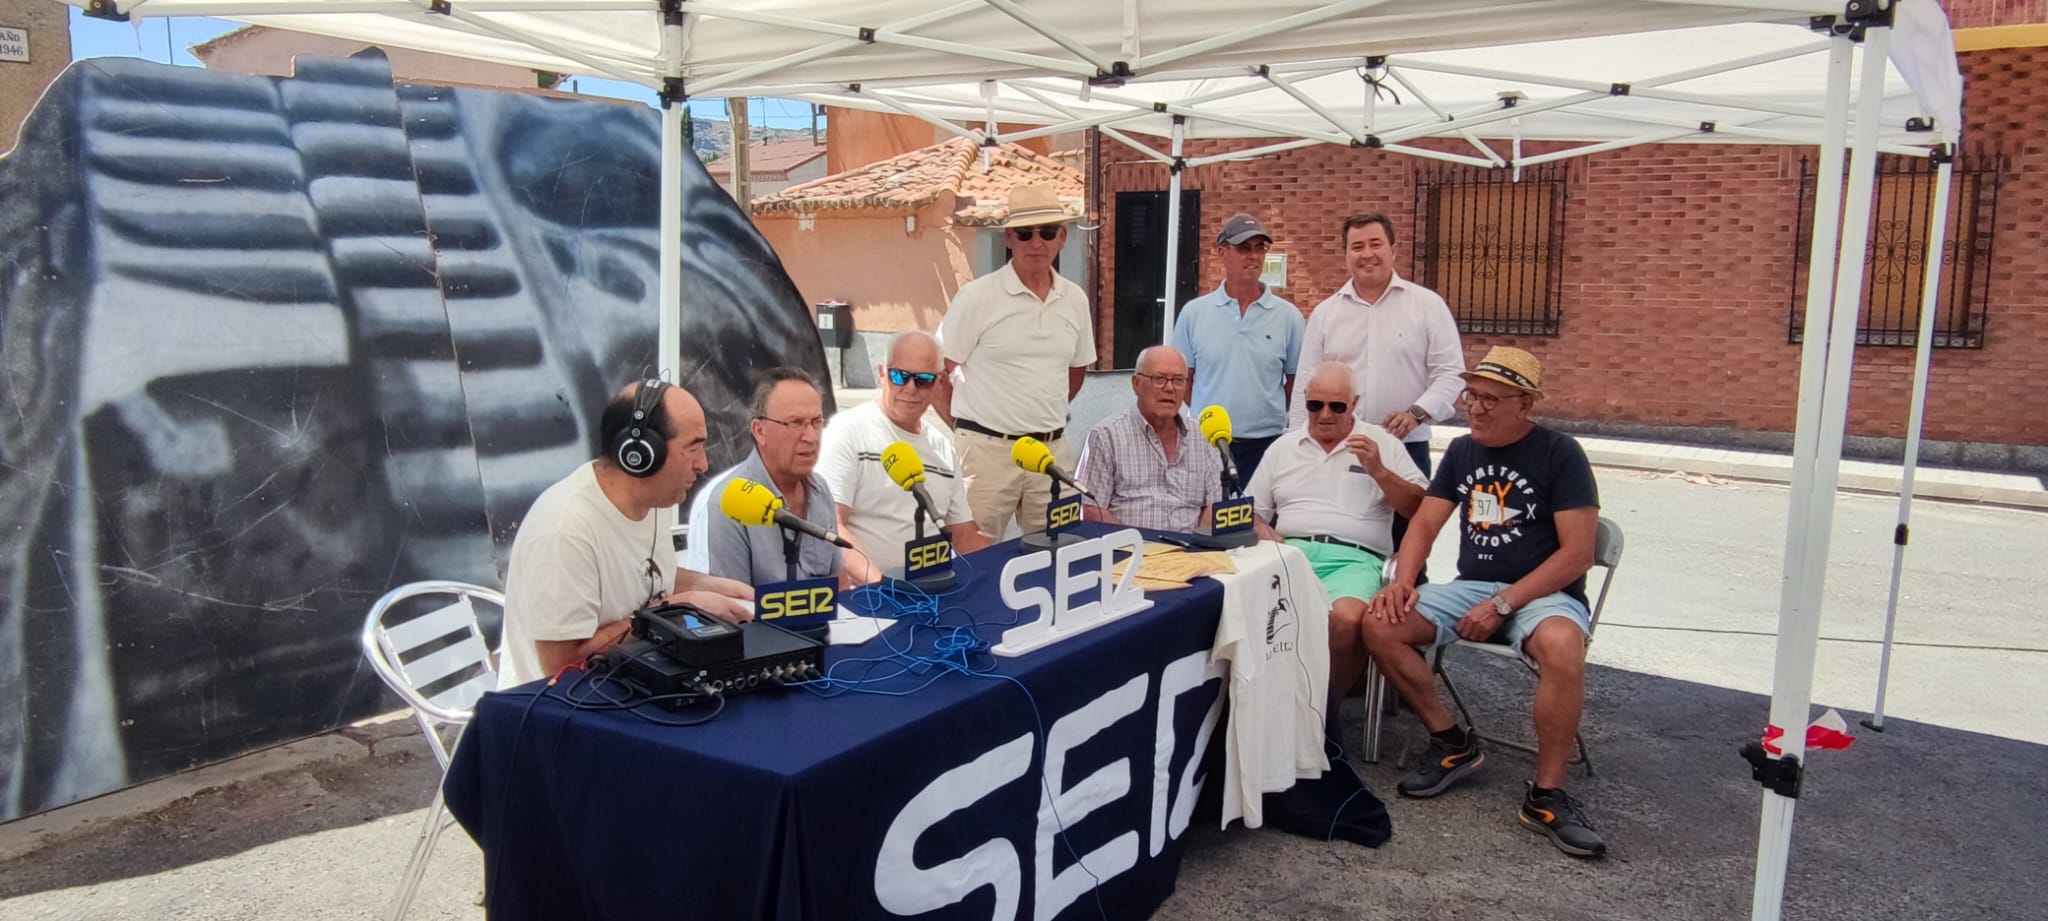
[{"x": 269, "y": 347}]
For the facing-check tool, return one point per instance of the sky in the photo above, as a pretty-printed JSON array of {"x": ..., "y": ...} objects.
[{"x": 165, "y": 40}]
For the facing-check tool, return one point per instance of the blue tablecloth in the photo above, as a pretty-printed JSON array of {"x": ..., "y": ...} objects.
[{"x": 934, "y": 804}]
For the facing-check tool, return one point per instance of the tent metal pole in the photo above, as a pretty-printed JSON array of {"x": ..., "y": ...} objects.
[
  {"x": 1817, "y": 470},
  {"x": 1135, "y": 144},
  {"x": 1166, "y": 304},
  {"x": 669, "y": 348},
  {"x": 1413, "y": 90},
  {"x": 1274, "y": 27},
  {"x": 1923, "y": 356},
  {"x": 1252, "y": 153}
]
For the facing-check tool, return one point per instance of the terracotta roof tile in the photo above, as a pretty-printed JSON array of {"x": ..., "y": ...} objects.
[{"x": 910, "y": 181}]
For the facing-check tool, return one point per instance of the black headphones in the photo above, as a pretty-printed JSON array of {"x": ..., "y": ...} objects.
[{"x": 638, "y": 449}]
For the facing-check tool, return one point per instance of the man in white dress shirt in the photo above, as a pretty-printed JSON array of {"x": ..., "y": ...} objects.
[
  {"x": 875, "y": 513},
  {"x": 1398, "y": 337},
  {"x": 1331, "y": 489}
]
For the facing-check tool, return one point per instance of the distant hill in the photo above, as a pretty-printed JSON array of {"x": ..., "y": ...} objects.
[{"x": 713, "y": 139}]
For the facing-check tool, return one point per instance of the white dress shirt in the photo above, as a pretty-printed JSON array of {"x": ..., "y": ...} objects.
[
  {"x": 1313, "y": 491},
  {"x": 1403, "y": 351}
]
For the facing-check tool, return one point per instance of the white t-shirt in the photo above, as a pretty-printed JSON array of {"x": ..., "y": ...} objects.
[
  {"x": 879, "y": 512},
  {"x": 578, "y": 564},
  {"x": 1275, "y": 632},
  {"x": 1014, "y": 350},
  {"x": 1326, "y": 492}
]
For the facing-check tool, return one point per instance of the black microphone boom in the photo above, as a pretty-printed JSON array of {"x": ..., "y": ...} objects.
[
  {"x": 1054, "y": 471},
  {"x": 803, "y": 526}
]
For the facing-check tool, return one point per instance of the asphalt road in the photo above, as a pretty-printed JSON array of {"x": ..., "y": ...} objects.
[{"x": 1939, "y": 817}]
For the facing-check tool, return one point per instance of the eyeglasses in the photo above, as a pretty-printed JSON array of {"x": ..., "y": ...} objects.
[
  {"x": 1485, "y": 401},
  {"x": 1045, "y": 232},
  {"x": 1164, "y": 381},
  {"x": 1336, "y": 407},
  {"x": 815, "y": 423},
  {"x": 925, "y": 379}
]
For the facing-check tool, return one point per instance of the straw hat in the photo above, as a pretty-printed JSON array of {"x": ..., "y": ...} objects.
[
  {"x": 1510, "y": 366},
  {"x": 1035, "y": 203}
]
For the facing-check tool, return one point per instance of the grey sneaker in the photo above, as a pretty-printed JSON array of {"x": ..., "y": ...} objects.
[
  {"x": 1561, "y": 816},
  {"x": 1442, "y": 766}
]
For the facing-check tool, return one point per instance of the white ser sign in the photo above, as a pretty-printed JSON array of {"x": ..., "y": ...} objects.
[{"x": 13, "y": 44}]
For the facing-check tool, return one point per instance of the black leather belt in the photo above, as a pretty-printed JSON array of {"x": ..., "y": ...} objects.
[
  {"x": 1341, "y": 542},
  {"x": 979, "y": 429}
]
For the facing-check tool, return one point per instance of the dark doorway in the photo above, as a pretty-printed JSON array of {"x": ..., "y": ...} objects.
[{"x": 1141, "y": 267}]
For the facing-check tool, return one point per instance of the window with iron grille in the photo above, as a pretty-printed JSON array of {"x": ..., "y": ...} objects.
[
  {"x": 1492, "y": 246},
  {"x": 1895, "y": 260}
]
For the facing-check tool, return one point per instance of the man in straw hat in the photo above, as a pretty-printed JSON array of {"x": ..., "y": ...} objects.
[
  {"x": 1016, "y": 343},
  {"x": 1528, "y": 511}
]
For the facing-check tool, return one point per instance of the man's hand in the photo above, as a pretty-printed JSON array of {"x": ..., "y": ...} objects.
[
  {"x": 1479, "y": 623},
  {"x": 689, "y": 581},
  {"x": 1399, "y": 424},
  {"x": 1264, "y": 531},
  {"x": 1367, "y": 451},
  {"x": 1395, "y": 601},
  {"x": 722, "y": 606}
]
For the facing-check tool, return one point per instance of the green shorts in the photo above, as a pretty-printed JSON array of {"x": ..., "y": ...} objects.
[{"x": 1346, "y": 572}]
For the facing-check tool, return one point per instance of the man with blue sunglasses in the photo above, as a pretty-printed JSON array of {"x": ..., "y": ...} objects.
[{"x": 875, "y": 513}]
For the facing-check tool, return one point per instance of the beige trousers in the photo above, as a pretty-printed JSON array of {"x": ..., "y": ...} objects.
[{"x": 998, "y": 491}]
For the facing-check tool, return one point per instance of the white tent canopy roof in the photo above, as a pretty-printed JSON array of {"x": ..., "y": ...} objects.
[{"x": 1286, "y": 68}]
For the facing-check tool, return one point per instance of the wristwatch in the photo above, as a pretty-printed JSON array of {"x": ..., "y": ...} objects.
[
  {"x": 1501, "y": 605},
  {"x": 1421, "y": 418}
]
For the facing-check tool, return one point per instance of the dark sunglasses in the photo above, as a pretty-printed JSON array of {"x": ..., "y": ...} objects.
[
  {"x": 1316, "y": 406},
  {"x": 924, "y": 379},
  {"x": 1045, "y": 232}
]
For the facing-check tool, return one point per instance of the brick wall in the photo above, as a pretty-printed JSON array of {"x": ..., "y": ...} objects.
[
  {"x": 1970, "y": 14},
  {"x": 1678, "y": 258},
  {"x": 49, "y": 50}
]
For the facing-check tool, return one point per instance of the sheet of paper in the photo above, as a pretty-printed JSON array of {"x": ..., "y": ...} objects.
[{"x": 853, "y": 629}]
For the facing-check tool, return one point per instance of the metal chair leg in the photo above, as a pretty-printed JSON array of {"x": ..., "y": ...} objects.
[
  {"x": 416, "y": 868},
  {"x": 1375, "y": 691}
]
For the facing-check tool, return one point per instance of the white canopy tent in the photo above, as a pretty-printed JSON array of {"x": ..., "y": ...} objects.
[{"x": 1297, "y": 70}]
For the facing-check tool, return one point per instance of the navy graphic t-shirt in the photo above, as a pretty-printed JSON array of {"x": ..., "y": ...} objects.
[{"x": 1508, "y": 498}]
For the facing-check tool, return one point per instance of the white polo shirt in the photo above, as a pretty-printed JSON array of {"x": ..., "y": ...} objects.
[
  {"x": 1403, "y": 350},
  {"x": 879, "y": 515},
  {"x": 1326, "y": 492},
  {"x": 1014, "y": 350}
]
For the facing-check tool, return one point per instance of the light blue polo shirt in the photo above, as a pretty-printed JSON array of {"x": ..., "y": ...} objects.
[{"x": 1241, "y": 361}]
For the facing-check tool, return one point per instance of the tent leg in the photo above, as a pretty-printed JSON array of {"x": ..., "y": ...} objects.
[
  {"x": 1818, "y": 443},
  {"x": 1923, "y": 356},
  {"x": 1166, "y": 302},
  {"x": 669, "y": 346}
]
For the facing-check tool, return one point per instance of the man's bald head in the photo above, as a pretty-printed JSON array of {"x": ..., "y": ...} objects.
[
  {"x": 1161, "y": 359},
  {"x": 1334, "y": 377},
  {"x": 914, "y": 350}
]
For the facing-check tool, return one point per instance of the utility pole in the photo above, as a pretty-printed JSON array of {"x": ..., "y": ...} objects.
[{"x": 742, "y": 140}]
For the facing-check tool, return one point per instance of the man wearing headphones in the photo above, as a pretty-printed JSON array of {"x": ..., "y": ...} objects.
[{"x": 596, "y": 545}]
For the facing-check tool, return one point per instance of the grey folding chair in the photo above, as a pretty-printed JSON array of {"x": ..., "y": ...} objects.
[
  {"x": 1607, "y": 546},
  {"x": 439, "y": 663}
]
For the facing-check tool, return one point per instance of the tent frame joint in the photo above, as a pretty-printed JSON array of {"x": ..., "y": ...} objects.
[
  {"x": 1371, "y": 142},
  {"x": 867, "y": 35},
  {"x": 1918, "y": 123},
  {"x": 1619, "y": 89},
  {"x": 1780, "y": 775},
  {"x": 105, "y": 9},
  {"x": 672, "y": 92},
  {"x": 1118, "y": 73},
  {"x": 1869, "y": 13},
  {"x": 441, "y": 7},
  {"x": 1941, "y": 153},
  {"x": 1707, "y": 127},
  {"x": 671, "y": 12}
]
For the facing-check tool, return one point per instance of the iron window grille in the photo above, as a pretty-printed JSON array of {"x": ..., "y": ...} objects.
[
  {"x": 1895, "y": 260},
  {"x": 1493, "y": 247}
]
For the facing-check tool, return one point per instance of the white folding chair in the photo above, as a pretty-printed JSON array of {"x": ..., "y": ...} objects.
[
  {"x": 439, "y": 663},
  {"x": 1607, "y": 546}
]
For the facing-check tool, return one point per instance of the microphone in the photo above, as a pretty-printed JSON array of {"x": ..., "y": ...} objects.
[
  {"x": 901, "y": 462},
  {"x": 1215, "y": 425},
  {"x": 753, "y": 505},
  {"x": 1032, "y": 454}
]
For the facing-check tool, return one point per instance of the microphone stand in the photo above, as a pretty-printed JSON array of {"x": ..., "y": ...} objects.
[
  {"x": 1045, "y": 539},
  {"x": 932, "y": 583},
  {"x": 789, "y": 555}
]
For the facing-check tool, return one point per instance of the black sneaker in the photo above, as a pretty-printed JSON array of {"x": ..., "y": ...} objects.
[
  {"x": 1561, "y": 816},
  {"x": 1442, "y": 766}
]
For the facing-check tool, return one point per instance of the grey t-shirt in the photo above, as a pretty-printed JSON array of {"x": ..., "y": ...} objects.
[{"x": 721, "y": 546}]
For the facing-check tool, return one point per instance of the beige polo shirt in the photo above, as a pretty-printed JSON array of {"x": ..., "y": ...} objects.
[{"x": 1014, "y": 350}]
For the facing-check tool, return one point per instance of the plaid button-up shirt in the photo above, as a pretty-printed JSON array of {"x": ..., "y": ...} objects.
[{"x": 1125, "y": 467}]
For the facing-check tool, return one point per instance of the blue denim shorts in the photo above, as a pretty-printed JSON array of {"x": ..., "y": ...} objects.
[{"x": 1445, "y": 603}]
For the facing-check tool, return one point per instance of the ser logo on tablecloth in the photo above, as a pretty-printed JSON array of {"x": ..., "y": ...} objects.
[{"x": 907, "y": 886}]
